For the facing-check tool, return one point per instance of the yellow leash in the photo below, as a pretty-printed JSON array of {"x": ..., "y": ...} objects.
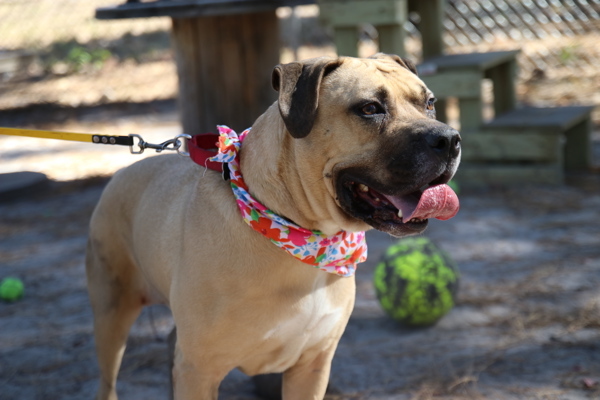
[{"x": 176, "y": 144}]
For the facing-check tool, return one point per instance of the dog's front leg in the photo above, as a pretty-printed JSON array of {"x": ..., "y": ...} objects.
[
  {"x": 193, "y": 378},
  {"x": 309, "y": 377}
]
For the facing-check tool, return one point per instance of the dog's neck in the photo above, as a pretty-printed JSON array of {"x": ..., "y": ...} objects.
[{"x": 267, "y": 166}]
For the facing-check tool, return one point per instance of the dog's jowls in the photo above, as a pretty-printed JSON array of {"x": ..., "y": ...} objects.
[{"x": 351, "y": 144}]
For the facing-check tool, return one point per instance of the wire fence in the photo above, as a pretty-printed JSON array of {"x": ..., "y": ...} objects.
[
  {"x": 66, "y": 39},
  {"x": 555, "y": 29},
  {"x": 35, "y": 24}
]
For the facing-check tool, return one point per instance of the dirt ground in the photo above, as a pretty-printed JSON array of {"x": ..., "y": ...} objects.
[
  {"x": 527, "y": 323},
  {"x": 526, "y": 326}
]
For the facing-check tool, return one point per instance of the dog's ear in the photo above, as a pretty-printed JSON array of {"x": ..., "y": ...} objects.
[
  {"x": 298, "y": 85},
  {"x": 406, "y": 63}
]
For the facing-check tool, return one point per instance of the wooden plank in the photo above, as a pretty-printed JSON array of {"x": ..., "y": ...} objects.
[
  {"x": 470, "y": 114},
  {"x": 391, "y": 39},
  {"x": 474, "y": 174},
  {"x": 355, "y": 12},
  {"x": 224, "y": 66},
  {"x": 346, "y": 41},
  {"x": 461, "y": 84},
  {"x": 481, "y": 61},
  {"x": 193, "y": 8},
  {"x": 431, "y": 25},
  {"x": 441, "y": 110},
  {"x": 578, "y": 148},
  {"x": 15, "y": 61},
  {"x": 510, "y": 146},
  {"x": 561, "y": 118},
  {"x": 503, "y": 78}
]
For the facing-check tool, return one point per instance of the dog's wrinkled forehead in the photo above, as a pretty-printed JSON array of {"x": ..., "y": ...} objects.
[
  {"x": 299, "y": 84},
  {"x": 395, "y": 76}
]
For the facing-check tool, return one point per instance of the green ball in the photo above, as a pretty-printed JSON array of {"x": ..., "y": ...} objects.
[
  {"x": 416, "y": 282},
  {"x": 11, "y": 289}
]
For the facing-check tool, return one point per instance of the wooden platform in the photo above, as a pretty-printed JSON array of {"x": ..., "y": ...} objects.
[
  {"x": 193, "y": 8},
  {"x": 344, "y": 17},
  {"x": 554, "y": 118},
  {"x": 460, "y": 76},
  {"x": 520, "y": 144},
  {"x": 528, "y": 145}
]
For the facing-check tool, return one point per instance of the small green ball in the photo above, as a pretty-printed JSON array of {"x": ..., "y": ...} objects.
[
  {"x": 11, "y": 289},
  {"x": 416, "y": 282}
]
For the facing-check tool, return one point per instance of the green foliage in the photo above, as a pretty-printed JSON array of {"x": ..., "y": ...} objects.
[
  {"x": 568, "y": 54},
  {"x": 68, "y": 57},
  {"x": 79, "y": 57}
]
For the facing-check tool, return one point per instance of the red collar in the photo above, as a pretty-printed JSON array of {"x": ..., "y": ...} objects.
[{"x": 202, "y": 147}]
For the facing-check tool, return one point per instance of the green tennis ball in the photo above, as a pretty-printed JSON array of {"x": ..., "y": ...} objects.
[
  {"x": 416, "y": 282},
  {"x": 11, "y": 289}
]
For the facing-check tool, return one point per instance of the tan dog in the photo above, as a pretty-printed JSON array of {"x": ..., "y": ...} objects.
[{"x": 349, "y": 144}]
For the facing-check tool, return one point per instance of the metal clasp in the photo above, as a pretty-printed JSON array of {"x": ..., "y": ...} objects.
[{"x": 176, "y": 144}]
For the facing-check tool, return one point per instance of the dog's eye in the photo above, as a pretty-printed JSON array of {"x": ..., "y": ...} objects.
[
  {"x": 431, "y": 104},
  {"x": 371, "y": 109}
]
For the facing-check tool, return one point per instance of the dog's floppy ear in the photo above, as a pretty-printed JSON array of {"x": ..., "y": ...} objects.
[
  {"x": 298, "y": 85},
  {"x": 409, "y": 65}
]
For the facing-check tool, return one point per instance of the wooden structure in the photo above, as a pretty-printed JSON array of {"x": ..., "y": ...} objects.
[
  {"x": 14, "y": 62},
  {"x": 520, "y": 145},
  {"x": 225, "y": 51},
  {"x": 388, "y": 17},
  {"x": 460, "y": 76}
]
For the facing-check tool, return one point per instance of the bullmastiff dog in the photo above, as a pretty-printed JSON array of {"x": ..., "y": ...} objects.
[{"x": 351, "y": 144}]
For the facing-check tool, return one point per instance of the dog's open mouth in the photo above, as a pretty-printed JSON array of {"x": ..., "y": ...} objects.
[{"x": 403, "y": 214}]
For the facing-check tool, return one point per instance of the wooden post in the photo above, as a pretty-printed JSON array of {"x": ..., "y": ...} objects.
[
  {"x": 345, "y": 16},
  {"x": 346, "y": 41},
  {"x": 224, "y": 64},
  {"x": 578, "y": 151},
  {"x": 431, "y": 26},
  {"x": 503, "y": 78},
  {"x": 391, "y": 39}
]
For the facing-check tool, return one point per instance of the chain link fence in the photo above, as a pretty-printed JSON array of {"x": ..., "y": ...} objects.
[{"x": 553, "y": 33}]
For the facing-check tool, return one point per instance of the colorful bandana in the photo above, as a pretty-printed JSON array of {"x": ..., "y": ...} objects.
[{"x": 337, "y": 254}]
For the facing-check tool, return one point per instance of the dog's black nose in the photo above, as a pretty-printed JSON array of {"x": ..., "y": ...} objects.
[{"x": 444, "y": 142}]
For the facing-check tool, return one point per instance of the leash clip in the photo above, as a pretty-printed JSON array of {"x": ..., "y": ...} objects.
[{"x": 176, "y": 144}]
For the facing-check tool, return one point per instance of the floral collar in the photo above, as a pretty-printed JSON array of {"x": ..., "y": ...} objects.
[{"x": 337, "y": 254}]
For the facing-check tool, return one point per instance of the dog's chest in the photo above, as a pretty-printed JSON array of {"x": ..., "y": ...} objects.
[{"x": 310, "y": 324}]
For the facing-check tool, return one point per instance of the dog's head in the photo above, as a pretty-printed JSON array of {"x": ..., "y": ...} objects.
[{"x": 368, "y": 127}]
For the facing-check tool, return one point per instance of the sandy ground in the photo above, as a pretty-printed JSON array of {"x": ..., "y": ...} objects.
[{"x": 527, "y": 323}]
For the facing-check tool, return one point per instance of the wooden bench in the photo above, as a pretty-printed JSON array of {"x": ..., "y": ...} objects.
[
  {"x": 520, "y": 145},
  {"x": 460, "y": 76},
  {"x": 529, "y": 145},
  {"x": 388, "y": 17}
]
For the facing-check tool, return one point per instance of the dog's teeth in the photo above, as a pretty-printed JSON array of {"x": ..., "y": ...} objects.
[
  {"x": 363, "y": 188},
  {"x": 399, "y": 213},
  {"x": 377, "y": 199}
]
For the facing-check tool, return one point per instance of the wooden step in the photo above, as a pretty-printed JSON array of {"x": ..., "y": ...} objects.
[
  {"x": 528, "y": 145},
  {"x": 555, "y": 118},
  {"x": 508, "y": 146},
  {"x": 560, "y": 134},
  {"x": 503, "y": 174}
]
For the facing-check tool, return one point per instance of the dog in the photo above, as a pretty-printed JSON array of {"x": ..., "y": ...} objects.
[{"x": 350, "y": 145}]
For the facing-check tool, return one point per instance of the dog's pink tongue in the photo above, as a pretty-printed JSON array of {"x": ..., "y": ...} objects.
[{"x": 437, "y": 201}]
